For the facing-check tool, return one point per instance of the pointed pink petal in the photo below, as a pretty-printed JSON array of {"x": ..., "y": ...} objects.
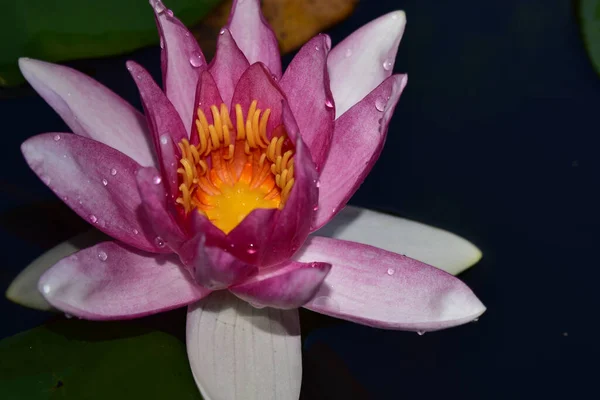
[
  {"x": 287, "y": 286},
  {"x": 254, "y": 36},
  {"x": 90, "y": 109},
  {"x": 358, "y": 139},
  {"x": 364, "y": 59},
  {"x": 212, "y": 267},
  {"x": 228, "y": 65},
  {"x": 378, "y": 288},
  {"x": 110, "y": 281},
  {"x": 182, "y": 62},
  {"x": 239, "y": 352},
  {"x": 207, "y": 95},
  {"x": 96, "y": 181},
  {"x": 257, "y": 84},
  {"x": 164, "y": 123},
  {"x": 160, "y": 214},
  {"x": 306, "y": 84}
]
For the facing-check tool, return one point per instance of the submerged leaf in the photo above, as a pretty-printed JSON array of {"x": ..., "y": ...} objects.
[{"x": 95, "y": 360}]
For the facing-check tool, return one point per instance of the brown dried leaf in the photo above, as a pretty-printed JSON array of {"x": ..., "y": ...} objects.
[{"x": 294, "y": 21}]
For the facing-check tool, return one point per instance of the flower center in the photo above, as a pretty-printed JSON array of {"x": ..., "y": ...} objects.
[{"x": 233, "y": 171}]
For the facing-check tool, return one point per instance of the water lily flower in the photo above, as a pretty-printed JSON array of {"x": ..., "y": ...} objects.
[{"x": 211, "y": 197}]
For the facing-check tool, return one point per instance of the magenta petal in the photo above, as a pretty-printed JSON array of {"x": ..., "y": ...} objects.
[
  {"x": 213, "y": 267},
  {"x": 110, "y": 281},
  {"x": 358, "y": 139},
  {"x": 257, "y": 84},
  {"x": 378, "y": 288},
  {"x": 228, "y": 65},
  {"x": 207, "y": 95},
  {"x": 285, "y": 287},
  {"x": 164, "y": 122},
  {"x": 306, "y": 85},
  {"x": 182, "y": 61},
  {"x": 96, "y": 181},
  {"x": 254, "y": 36},
  {"x": 157, "y": 211},
  {"x": 90, "y": 109},
  {"x": 364, "y": 59}
]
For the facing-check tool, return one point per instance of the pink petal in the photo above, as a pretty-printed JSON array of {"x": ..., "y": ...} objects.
[
  {"x": 160, "y": 214},
  {"x": 288, "y": 286},
  {"x": 212, "y": 267},
  {"x": 306, "y": 84},
  {"x": 257, "y": 84},
  {"x": 239, "y": 352},
  {"x": 364, "y": 59},
  {"x": 96, "y": 181},
  {"x": 182, "y": 62},
  {"x": 207, "y": 95},
  {"x": 164, "y": 122},
  {"x": 358, "y": 139},
  {"x": 90, "y": 109},
  {"x": 111, "y": 281},
  {"x": 228, "y": 65},
  {"x": 254, "y": 36},
  {"x": 378, "y": 288}
]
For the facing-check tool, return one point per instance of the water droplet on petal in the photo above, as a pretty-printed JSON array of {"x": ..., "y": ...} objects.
[
  {"x": 318, "y": 183},
  {"x": 104, "y": 182},
  {"x": 159, "y": 242},
  {"x": 348, "y": 53},
  {"x": 317, "y": 48},
  {"x": 46, "y": 289},
  {"x": 251, "y": 249},
  {"x": 315, "y": 208},
  {"x": 56, "y": 137},
  {"x": 380, "y": 104},
  {"x": 113, "y": 171},
  {"x": 93, "y": 219},
  {"x": 157, "y": 180},
  {"x": 222, "y": 31},
  {"x": 102, "y": 256},
  {"x": 170, "y": 13},
  {"x": 388, "y": 64},
  {"x": 135, "y": 231},
  {"x": 420, "y": 333},
  {"x": 328, "y": 103},
  {"x": 158, "y": 5},
  {"x": 196, "y": 59},
  {"x": 162, "y": 43},
  {"x": 164, "y": 138},
  {"x": 390, "y": 271}
]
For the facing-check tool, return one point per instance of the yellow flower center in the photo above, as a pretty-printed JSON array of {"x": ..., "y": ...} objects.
[{"x": 233, "y": 171}]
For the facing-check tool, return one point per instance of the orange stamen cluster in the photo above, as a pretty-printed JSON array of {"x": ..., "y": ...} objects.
[{"x": 234, "y": 170}]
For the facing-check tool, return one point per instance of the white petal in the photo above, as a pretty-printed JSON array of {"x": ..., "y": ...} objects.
[
  {"x": 363, "y": 60},
  {"x": 239, "y": 352},
  {"x": 23, "y": 289},
  {"x": 422, "y": 242}
]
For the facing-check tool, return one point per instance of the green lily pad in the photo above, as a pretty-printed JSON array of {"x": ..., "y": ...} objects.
[
  {"x": 74, "y": 29},
  {"x": 589, "y": 18},
  {"x": 83, "y": 360}
]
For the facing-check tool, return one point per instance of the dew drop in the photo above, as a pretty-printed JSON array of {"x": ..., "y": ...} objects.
[
  {"x": 420, "y": 333},
  {"x": 390, "y": 271},
  {"x": 157, "y": 180},
  {"x": 170, "y": 13},
  {"x": 387, "y": 64},
  {"x": 56, "y": 138},
  {"x": 318, "y": 183},
  {"x": 159, "y": 7},
  {"x": 380, "y": 104},
  {"x": 196, "y": 59},
  {"x": 93, "y": 219},
  {"x": 113, "y": 172},
  {"x": 135, "y": 231},
  {"x": 317, "y": 48},
  {"x": 251, "y": 249},
  {"x": 222, "y": 31},
  {"x": 348, "y": 53},
  {"x": 164, "y": 138},
  {"x": 46, "y": 289},
  {"x": 102, "y": 256},
  {"x": 328, "y": 103},
  {"x": 104, "y": 182},
  {"x": 162, "y": 43},
  {"x": 315, "y": 208},
  {"x": 159, "y": 242}
]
